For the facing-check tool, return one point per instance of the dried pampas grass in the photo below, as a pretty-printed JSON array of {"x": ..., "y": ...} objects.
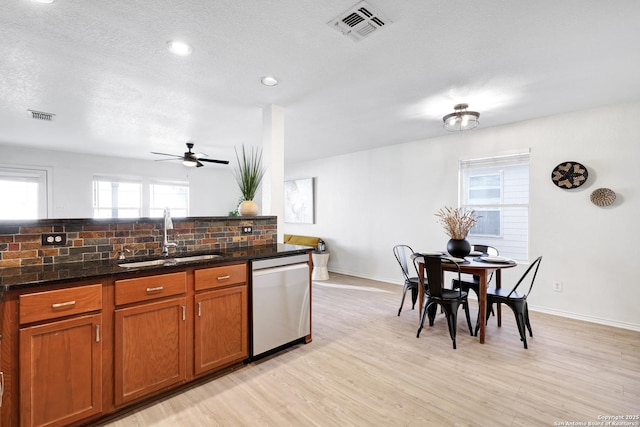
[{"x": 456, "y": 221}]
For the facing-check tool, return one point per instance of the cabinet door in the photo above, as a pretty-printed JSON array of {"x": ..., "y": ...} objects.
[
  {"x": 220, "y": 328},
  {"x": 150, "y": 348},
  {"x": 60, "y": 371}
]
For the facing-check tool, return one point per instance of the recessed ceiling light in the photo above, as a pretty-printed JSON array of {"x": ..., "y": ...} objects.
[
  {"x": 179, "y": 48},
  {"x": 269, "y": 81}
]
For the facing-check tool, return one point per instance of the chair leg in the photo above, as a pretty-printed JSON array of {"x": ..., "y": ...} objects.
[
  {"x": 526, "y": 319},
  {"x": 414, "y": 297},
  {"x": 465, "y": 306},
  {"x": 432, "y": 313},
  {"x": 475, "y": 291},
  {"x": 404, "y": 294},
  {"x": 518, "y": 311},
  {"x": 451, "y": 311},
  {"x": 424, "y": 314}
]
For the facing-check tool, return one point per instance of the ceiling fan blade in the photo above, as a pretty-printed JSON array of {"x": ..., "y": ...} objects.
[
  {"x": 164, "y": 160},
  {"x": 224, "y": 162},
  {"x": 199, "y": 165},
  {"x": 199, "y": 155},
  {"x": 165, "y": 154}
]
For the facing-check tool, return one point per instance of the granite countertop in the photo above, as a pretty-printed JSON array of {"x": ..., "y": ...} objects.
[{"x": 45, "y": 274}]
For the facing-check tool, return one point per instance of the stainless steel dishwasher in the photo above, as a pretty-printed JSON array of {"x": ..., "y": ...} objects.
[{"x": 280, "y": 302}]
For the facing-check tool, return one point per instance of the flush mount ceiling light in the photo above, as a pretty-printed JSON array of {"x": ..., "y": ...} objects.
[
  {"x": 43, "y": 1},
  {"x": 179, "y": 48},
  {"x": 461, "y": 119},
  {"x": 269, "y": 81}
]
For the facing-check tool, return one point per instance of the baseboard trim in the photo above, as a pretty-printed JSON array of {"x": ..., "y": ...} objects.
[
  {"x": 591, "y": 319},
  {"x": 567, "y": 314}
]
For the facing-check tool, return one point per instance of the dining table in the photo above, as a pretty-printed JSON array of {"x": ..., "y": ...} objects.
[{"x": 477, "y": 266}]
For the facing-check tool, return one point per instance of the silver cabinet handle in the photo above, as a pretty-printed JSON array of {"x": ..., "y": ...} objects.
[
  {"x": 1, "y": 387},
  {"x": 200, "y": 309},
  {"x": 63, "y": 304},
  {"x": 184, "y": 313},
  {"x": 156, "y": 289},
  {"x": 224, "y": 277},
  {"x": 97, "y": 333}
]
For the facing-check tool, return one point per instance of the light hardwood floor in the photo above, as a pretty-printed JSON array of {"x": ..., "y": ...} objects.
[{"x": 365, "y": 367}]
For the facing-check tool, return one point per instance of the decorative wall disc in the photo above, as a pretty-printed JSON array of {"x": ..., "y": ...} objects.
[
  {"x": 603, "y": 197},
  {"x": 569, "y": 175}
]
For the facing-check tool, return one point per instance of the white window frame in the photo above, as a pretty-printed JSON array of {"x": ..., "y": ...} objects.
[
  {"x": 175, "y": 210},
  {"x": 115, "y": 180},
  {"x": 488, "y": 204},
  {"x": 514, "y": 243},
  {"x": 39, "y": 176}
]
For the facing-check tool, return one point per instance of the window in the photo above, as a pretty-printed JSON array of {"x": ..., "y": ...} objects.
[
  {"x": 27, "y": 191},
  {"x": 497, "y": 188},
  {"x": 128, "y": 198},
  {"x": 116, "y": 198},
  {"x": 175, "y": 196}
]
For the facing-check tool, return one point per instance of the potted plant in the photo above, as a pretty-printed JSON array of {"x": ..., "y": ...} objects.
[
  {"x": 249, "y": 173},
  {"x": 457, "y": 222}
]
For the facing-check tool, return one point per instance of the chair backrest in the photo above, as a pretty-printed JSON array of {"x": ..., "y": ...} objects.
[
  {"x": 533, "y": 267},
  {"x": 400, "y": 252},
  {"x": 486, "y": 250},
  {"x": 433, "y": 267}
]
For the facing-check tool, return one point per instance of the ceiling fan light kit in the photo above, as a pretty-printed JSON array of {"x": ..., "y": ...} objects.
[
  {"x": 461, "y": 119},
  {"x": 191, "y": 159}
]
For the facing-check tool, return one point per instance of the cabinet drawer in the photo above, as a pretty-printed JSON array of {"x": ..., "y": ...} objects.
[
  {"x": 216, "y": 277},
  {"x": 150, "y": 287},
  {"x": 59, "y": 303}
]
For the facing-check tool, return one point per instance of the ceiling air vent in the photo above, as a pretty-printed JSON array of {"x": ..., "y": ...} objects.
[
  {"x": 41, "y": 115},
  {"x": 359, "y": 22}
]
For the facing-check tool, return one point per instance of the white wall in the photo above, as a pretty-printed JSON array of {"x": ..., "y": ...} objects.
[
  {"x": 212, "y": 188},
  {"x": 369, "y": 201}
]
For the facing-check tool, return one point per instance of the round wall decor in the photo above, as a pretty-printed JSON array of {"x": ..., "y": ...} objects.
[
  {"x": 569, "y": 175},
  {"x": 603, "y": 197}
]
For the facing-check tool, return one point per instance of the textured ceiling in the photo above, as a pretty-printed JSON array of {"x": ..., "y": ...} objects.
[{"x": 102, "y": 68}]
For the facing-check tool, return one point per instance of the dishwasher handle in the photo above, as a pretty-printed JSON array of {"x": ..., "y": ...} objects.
[{"x": 281, "y": 269}]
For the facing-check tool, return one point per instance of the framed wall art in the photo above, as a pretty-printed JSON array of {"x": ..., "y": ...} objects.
[{"x": 299, "y": 201}]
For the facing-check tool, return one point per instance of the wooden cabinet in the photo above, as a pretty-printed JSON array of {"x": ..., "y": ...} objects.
[
  {"x": 74, "y": 353},
  {"x": 60, "y": 360},
  {"x": 220, "y": 328},
  {"x": 150, "y": 336},
  {"x": 221, "y": 319}
]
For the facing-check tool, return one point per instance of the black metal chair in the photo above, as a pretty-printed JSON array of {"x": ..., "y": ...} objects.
[
  {"x": 402, "y": 252},
  {"x": 448, "y": 299},
  {"x": 516, "y": 301},
  {"x": 474, "y": 283}
]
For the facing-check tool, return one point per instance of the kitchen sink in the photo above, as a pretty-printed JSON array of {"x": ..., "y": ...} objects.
[
  {"x": 169, "y": 261},
  {"x": 196, "y": 258},
  {"x": 145, "y": 263}
]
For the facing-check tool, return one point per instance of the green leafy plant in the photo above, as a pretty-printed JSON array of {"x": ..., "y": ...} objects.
[
  {"x": 235, "y": 212},
  {"x": 249, "y": 172}
]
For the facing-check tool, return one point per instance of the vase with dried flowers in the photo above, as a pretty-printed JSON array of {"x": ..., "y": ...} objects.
[{"x": 457, "y": 222}]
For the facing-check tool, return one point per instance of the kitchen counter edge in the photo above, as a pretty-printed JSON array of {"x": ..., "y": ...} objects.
[{"x": 49, "y": 274}]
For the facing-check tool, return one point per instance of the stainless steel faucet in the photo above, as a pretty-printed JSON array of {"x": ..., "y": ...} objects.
[{"x": 168, "y": 225}]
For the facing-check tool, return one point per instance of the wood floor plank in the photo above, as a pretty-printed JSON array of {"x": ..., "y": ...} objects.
[{"x": 365, "y": 367}]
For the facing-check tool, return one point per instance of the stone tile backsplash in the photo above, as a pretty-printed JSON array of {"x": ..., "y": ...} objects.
[{"x": 93, "y": 239}]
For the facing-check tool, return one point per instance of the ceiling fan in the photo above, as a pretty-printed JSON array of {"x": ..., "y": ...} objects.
[{"x": 191, "y": 159}]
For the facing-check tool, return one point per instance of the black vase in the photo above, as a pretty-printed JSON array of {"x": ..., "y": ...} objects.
[{"x": 458, "y": 248}]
